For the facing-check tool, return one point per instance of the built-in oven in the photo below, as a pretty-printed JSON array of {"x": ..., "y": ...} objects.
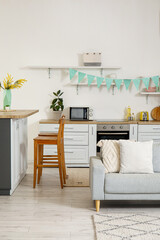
[{"x": 112, "y": 132}]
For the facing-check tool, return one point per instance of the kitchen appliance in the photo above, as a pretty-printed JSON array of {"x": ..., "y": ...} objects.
[
  {"x": 112, "y": 132},
  {"x": 144, "y": 116},
  {"x": 79, "y": 113}
]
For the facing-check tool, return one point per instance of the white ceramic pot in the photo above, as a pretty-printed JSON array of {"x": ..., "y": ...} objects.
[{"x": 57, "y": 115}]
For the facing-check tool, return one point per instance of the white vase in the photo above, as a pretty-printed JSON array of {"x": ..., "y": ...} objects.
[{"x": 57, "y": 115}]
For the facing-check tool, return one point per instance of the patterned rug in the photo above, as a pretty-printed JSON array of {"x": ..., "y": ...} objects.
[{"x": 127, "y": 226}]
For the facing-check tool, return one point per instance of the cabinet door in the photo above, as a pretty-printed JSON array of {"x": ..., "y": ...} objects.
[
  {"x": 92, "y": 139},
  {"x": 23, "y": 142},
  {"x": 73, "y": 154},
  {"x": 133, "y": 132},
  {"x": 15, "y": 154},
  {"x": 18, "y": 151}
]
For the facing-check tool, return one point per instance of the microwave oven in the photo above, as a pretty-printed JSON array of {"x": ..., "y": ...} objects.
[{"x": 79, "y": 113}]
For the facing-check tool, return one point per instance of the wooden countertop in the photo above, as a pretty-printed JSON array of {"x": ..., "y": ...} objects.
[
  {"x": 52, "y": 121},
  {"x": 17, "y": 113}
]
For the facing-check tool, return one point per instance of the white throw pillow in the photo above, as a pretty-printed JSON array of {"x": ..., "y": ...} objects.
[
  {"x": 135, "y": 157},
  {"x": 110, "y": 153}
]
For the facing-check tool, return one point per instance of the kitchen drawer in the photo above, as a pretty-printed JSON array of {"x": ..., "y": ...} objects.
[
  {"x": 67, "y": 127},
  {"x": 149, "y": 136},
  {"x": 149, "y": 128},
  {"x": 73, "y": 154},
  {"x": 74, "y": 139}
]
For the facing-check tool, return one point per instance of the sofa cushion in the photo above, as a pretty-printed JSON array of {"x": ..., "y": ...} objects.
[
  {"x": 132, "y": 183},
  {"x": 135, "y": 157},
  {"x": 110, "y": 154},
  {"x": 156, "y": 156}
]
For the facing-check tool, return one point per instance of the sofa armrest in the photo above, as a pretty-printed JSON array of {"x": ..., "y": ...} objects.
[{"x": 97, "y": 176}]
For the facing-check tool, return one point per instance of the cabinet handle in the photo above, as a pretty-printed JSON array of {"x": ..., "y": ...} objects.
[
  {"x": 156, "y": 128},
  {"x": 133, "y": 131},
  {"x": 68, "y": 138},
  {"x": 69, "y": 128},
  {"x": 65, "y": 152},
  {"x": 92, "y": 130}
]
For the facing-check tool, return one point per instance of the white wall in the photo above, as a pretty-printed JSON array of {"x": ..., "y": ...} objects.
[{"x": 54, "y": 32}]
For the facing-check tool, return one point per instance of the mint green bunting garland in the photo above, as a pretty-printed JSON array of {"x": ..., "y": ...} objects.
[
  {"x": 99, "y": 81},
  {"x": 136, "y": 82},
  {"x": 90, "y": 79},
  {"x": 108, "y": 82},
  {"x": 81, "y": 75},
  {"x": 146, "y": 82},
  {"x": 155, "y": 79},
  {"x": 72, "y": 73},
  {"x": 127, "y": 83},
  {"x": 118, "y": 83}
]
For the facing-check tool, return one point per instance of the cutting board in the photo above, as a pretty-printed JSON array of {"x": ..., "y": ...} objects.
[{"x": 155, "y": 114}]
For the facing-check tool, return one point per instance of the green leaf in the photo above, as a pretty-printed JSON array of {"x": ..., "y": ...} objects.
[
  {"x": 55, "y": 94},
  {"x": 61, "y": 93},
  {"x": 54, "y": 101},
  {"x": 58, "y": 92}
]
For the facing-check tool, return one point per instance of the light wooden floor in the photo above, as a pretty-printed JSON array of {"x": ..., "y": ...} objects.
[{"x": 47, "y": 212}]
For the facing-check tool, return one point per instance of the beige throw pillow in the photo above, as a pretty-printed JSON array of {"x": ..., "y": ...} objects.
[
  {"x": 110, "y": 153},
  {"x": 135, "y": 157}
]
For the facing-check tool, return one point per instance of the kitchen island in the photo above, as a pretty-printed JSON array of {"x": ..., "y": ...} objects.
[{"x": 13, "y": 148}]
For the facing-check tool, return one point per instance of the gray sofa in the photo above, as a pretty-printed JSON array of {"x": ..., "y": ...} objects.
[{"x": 117, "y": 186}]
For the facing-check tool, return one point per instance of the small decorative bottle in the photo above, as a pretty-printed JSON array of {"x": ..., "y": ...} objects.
[{"x": 128, "y": 113}]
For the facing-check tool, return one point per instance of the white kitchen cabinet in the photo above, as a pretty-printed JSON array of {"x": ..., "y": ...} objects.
[
  {"x": 149, "y": 132},
  {"x": 18, "y": 151},
  {"x": 77, "y": 138},
  {"x": 92, "y": 139},
  {"x": 73, "y": 154},
  {"x": 133, "y": 132}
]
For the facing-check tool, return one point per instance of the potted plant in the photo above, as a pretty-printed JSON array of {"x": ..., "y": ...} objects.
[{"x": 57, "y": 104}]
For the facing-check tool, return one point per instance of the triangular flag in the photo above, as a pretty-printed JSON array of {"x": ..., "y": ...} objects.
[
  {"x": 118, "y": 83},
  {"x": 108, "y": 82},
  {"x": 90, "y": 79},
  {"x": 99, "y": 81},
  {"x": 72, "y": 72},
  {"x": 127, "y": 83},
  {"x": 136, "y": 82},
  {"x": 146, "y": 82},
  {"x": 155, "y": 79},
  {"x": 81, "y": 75}
]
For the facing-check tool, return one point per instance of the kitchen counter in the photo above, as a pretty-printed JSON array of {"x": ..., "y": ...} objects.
[
  {"x": 13, "y": 148},
  {"x": 52, "y": 121},
  {"x": 17, "y": 113}
]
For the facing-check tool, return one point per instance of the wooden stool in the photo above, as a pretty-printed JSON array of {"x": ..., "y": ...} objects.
[{"x": 50, "y": 161}]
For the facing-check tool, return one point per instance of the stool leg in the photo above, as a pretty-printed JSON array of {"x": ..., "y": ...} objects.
[
  {"x": 60, "y": 165},
  {"x": 41, "y": 157},
  {"x": 39, "y": 162},
  {"x": 35, "y": 164}
]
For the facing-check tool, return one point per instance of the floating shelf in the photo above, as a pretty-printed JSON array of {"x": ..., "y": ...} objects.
[
  {"x": 149, "y": 94},
  {"x": 101, "y": 68},
  {"x": 75, "y": 67}
]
